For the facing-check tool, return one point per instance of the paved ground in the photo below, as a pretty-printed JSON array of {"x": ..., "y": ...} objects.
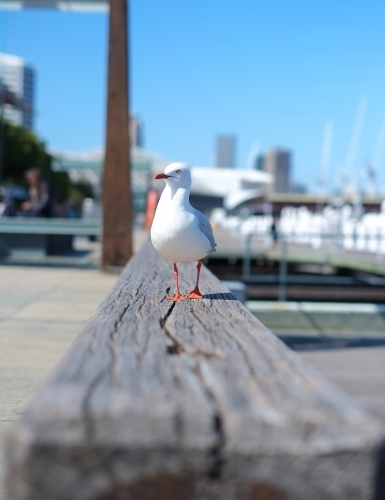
[
  {"x": 321, "y": 333},
  {"x": 41, "y": 311},
  {"x": 360, "y": 372}
]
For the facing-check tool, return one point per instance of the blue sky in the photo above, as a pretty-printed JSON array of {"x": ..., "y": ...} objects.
[{"x": 270, "y": 72}]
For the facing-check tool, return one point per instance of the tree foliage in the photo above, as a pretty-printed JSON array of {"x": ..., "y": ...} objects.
[{"x": 22, "y": 149}]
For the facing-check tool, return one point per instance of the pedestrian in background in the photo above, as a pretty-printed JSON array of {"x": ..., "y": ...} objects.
[
  {"x": 41, "y": 199},
  {"x": 274, "y": 232}
]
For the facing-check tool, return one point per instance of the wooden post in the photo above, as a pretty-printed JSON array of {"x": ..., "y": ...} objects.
[
  {"x": 117, "y": 210},
  {"x": 188, "y": 401}
]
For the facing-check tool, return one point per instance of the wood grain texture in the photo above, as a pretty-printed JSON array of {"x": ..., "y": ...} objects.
[{"x": 188, "y": 400}]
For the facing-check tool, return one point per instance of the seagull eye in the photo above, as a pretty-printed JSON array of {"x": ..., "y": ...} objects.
[{"x": 177, "y": 172}]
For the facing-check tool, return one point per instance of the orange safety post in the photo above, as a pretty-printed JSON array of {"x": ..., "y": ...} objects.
[{"x": 152, "y": 201}]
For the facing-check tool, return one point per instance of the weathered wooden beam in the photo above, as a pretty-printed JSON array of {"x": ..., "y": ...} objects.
[
  {"x": 185, "y": 401},
  {"x": 117, "y": 209}
]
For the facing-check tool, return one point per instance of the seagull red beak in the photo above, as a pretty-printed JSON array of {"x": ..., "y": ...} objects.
[{"x": 161, "y": 176}]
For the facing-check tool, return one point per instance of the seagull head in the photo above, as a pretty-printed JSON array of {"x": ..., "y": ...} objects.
[{"x": 176, "y": 175}]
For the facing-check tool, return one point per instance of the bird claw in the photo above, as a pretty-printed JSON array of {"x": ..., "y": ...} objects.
[
  {"x": 195, "y": 294},
  {"x": 176, "y": 298}
]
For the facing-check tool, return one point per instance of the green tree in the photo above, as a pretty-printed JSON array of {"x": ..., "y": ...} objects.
[{"x": 22, "y": 149}]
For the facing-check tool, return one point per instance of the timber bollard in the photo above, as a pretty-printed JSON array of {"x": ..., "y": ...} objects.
[{"x": 186, "y": 401}]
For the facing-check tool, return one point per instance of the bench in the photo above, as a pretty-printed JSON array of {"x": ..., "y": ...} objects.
[
  {"x": 52, "y": 236},
  {"x": 185, "y": 401}
]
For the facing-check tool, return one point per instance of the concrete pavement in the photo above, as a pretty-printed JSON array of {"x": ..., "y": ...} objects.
[
  {"x": 360, "y": 372},
  {"x": 343, "y": 341},
  {"x": 41, "y": 312}
]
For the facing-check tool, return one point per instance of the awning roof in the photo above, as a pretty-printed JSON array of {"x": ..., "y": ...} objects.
[
  {"x": 64, "y": 5},
  {"x": 225, "y": 181},
  {"x": 94, "y": 159}
]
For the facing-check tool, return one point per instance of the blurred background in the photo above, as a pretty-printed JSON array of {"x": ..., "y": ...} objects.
[{"x": 278, "y": 109}]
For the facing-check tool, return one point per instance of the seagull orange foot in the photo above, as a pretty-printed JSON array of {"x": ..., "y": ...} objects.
[
  {"x": 176, "y": 298},
  {"x": 195, "y": 294}
]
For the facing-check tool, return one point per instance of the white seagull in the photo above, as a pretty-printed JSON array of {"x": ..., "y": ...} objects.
[{"x": 179, "y": 232}]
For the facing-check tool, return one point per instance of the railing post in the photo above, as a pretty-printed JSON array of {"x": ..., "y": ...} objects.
[
  {"x": 283, "y": 270},
  {"x": 117, "y": 209},
  {"x": 246, "y": 259}
]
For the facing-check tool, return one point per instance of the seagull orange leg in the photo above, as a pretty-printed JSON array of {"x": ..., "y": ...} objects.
[
  {"x": 196, "y": 294},
  {"x": 177, "y": 296}
]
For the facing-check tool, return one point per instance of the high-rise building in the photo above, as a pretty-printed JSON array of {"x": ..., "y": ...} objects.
[
  {"x": 136, "y": 131},
  {"x": 259, "y": 163},
  {"x": 18, "y": 78},
  {"x": 277, "y": 163},
  {"x": 225, "y": 151}
]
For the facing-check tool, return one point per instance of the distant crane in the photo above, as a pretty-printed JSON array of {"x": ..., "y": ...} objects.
[
  {"x": 371, "y": 169},
  {"x": 354, "y": 140},
  {"x": 251, "y": 162},
  {"x": 371, "y": 174}
]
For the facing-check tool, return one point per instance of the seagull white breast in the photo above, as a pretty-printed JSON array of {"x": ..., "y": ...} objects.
[{"x": 179, "y": 232}]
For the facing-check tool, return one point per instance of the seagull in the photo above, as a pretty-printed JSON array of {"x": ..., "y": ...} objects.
[{"x": 179, "y": 232}]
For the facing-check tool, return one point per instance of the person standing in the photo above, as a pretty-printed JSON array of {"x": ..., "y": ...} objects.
[
  {"x": 41, "y": 199},
  {"x": 274, "y": 232}
]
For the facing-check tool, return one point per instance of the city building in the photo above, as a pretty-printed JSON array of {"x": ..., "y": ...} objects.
[
  {"x": 259, "y": 163},
  {"x": 210, "y": 188},
  {"x": 277, "y": 162},
  {"x": 136, "y": 131},
  {"x": 225, "y": 151},
  {"x": 227, "y": 188},
  {"x": 87, "y": 168},
  {"x": 17, "y": 79}
]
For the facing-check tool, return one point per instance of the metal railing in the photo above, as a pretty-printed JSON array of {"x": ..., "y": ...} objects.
[
  {"x": 328, "y": 243},
  {"x": 32, "y": 225}
]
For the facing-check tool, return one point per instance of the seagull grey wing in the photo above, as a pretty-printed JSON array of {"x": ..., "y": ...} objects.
[{"x": 206, "y": 229}]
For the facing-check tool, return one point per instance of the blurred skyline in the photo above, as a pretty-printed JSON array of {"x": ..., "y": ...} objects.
[{"x": 270, "y": 73}]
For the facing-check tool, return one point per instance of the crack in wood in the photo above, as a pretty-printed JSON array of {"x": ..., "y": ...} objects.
[
  {"x": 216, "y": 452},
  {"x": 203, "y": 352},
  {"x": 86, "y": 406},
  {"x": 89, "y": 424},
  {"x": 167, "y": 292},
  {"x": 175, "y": 347}
]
